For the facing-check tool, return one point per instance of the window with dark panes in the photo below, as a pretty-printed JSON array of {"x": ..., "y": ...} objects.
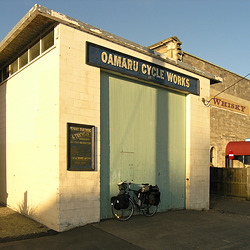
[
  {"x": 212, "y": 156},
  {"x": 14, "y": 67},
  {"x": 5, "y": 72},
  {"x": 30, "y": 54},
  {"x": 23, "y": 60},
  {"x": 48, "y": 41},
  {"x": 35, "y": 51}
]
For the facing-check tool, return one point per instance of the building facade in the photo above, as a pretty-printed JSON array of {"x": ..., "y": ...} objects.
[
  {"x": 82, "y": 109},
  {"x": 229, "y": 104},
  {"x": 229, "y": 110}
]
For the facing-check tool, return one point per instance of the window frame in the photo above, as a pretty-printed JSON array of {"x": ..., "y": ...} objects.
[
  {"x": 4, "y": 76},
  {"x": 212, "y": 156}
]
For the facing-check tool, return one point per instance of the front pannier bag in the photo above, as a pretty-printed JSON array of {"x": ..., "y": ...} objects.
[
  {"x": 154, "y": 195},
  {"x": 120, "y": 201}
]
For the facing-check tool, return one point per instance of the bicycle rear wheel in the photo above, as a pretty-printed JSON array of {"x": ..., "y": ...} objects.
[
  {"x": 149, "y": 210},
  {"x": 123, "y": 214}
]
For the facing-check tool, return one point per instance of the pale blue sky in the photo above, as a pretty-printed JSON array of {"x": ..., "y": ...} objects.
[{"x": 215, "y": 30}]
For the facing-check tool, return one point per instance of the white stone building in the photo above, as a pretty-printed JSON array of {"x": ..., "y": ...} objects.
[{"x": 82, "y": 109}]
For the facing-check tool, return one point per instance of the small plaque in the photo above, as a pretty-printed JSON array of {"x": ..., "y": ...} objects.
[{"x": 81, "y": 147}]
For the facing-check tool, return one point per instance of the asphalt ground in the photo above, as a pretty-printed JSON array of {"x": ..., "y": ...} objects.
[{"x": 225, "y": 226}]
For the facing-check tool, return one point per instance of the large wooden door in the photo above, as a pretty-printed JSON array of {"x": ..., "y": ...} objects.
[{"x": 142, "y": 140}]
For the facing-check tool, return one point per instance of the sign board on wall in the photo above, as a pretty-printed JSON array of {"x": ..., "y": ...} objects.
[
  {"x": 113, "y": 60},
  {"x": 81, "y": 147},
  {"x": 229, "y": 105}
]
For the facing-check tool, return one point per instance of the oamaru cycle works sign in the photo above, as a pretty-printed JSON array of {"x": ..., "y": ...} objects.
[{"x": 113, "y": 60}]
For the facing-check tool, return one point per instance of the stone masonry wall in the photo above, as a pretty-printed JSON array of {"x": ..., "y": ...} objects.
[{"x": 226, "y": 125}]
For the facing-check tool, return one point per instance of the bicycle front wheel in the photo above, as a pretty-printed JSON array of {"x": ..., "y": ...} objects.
[
  {"x": 149, "y": 210},
  {"x": 123, "y": 214}
]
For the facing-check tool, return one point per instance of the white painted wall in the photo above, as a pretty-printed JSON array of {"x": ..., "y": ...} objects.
[
  {"x": 79, "y": 198},
  {"x": 32, "y": 138},
  {"x": 197, "y": 149}
]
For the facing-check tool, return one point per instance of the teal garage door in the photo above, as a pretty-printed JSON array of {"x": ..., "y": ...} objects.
[{"x": 142, "y": 140}]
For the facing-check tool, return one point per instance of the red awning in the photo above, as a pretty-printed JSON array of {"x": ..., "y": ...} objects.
[{"x": 238, "y": 148}]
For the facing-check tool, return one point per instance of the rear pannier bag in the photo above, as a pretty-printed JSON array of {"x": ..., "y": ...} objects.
[
  {"x": 114, "y": 200},
  {"x": 154, "y": 195},
  {"x": 120, "y": 201}
]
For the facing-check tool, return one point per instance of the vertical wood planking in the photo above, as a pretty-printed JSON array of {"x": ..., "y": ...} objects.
[{"x": 147, "y": 138}]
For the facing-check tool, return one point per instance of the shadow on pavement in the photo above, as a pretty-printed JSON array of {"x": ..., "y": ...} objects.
[{"x": 16, "y": 227}]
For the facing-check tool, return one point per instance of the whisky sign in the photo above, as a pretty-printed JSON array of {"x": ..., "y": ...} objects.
[
  {"x": 229, "y": 105},
  {"x": 127, "y": 65}
]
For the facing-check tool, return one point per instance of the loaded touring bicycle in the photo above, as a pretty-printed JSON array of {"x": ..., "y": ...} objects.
[{"x": 145, "y": 200}]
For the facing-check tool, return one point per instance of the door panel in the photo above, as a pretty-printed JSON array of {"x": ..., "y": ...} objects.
[{"x": 144, "y": 139}]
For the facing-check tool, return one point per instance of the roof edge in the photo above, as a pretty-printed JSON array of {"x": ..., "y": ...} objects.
[
  {"x": 19, "y": 27},
  {"x": 184, "y": 52},
  {"x": 64, "y": 19}
]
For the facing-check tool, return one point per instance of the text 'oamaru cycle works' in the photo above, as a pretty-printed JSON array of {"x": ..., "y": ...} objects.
[{"x": 125, "y": 64}]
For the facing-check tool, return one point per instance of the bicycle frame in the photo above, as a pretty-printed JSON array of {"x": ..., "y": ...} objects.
[
  {"x": 138, "y": 197},
  {"x": 139, "y": 200}
]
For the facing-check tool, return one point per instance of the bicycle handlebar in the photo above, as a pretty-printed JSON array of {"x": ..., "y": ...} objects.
[
  {"x": 125, "y": 182},
  {"x": 126, "y": 185}
]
